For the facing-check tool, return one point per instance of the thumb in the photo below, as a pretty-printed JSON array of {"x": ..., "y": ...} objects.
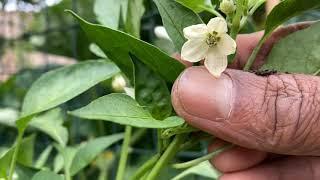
[{"x": 277, "y": 113}]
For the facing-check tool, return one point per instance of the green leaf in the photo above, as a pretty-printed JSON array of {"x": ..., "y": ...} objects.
[
  {"x": 51, "y": 124},
  {"x": 203, "y": 169},
  {"x": 124, "y": 62},
  {"x": 25, "y": 173},
  {"x": 279, "y": 14},
  {"x": 65, "y": 160},
  {"x": 26, "y": 151},
  {"x": 286, "y": 10},
  {"x": 297, "y": 52},
  {"x": 134, "y": 14},
  {"x": 48, "y": 175},
  {"x": 58, "y": 86},
  {"x": 196, "y": 5},
  {"x": 122, "y": 109},
  {"x": 96, "y": 50},
  {"x": 25, "y": 155},
  {"x": 108, "y": 12},
  {"x": 41, "y": 161},
  {"x": 175, "y": 17},
  {"x": 5, "y": 159},
  {"x": 116, "y": 45},
  {"x": 8, "y": 116},
  {"x": 58, "y": 163},
  {"x": 151, "y": 91},
  {"x": 87, "y": 153}
]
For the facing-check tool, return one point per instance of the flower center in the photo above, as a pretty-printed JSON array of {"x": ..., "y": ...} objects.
[{"x": 212, "y": 39}]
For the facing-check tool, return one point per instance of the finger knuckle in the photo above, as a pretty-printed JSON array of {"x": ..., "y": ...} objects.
[{"x": 292, "y": 110}]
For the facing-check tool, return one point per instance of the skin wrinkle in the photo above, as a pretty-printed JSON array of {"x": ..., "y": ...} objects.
[
  {"x": 275, "y": 121},
  {"x": 310, "y": 114},
  {"x": 286, "y": 91},
  {"x": 305, "y": 133},
  {"x": 300, "y": 105},
  {"x": 305, "y": 126},
  {"x": 242, "y": 120},
  {"x": 251, "y": 130},
  {"x": 247, "y": 113},
  {"x": 314, "y": 149},
  {"x": 279, "y": 86},
  {"x": 260, "y": 121},
  {"x": 312, "y": 170}
]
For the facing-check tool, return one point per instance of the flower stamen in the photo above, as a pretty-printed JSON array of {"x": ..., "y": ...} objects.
[
  {"x": 209, "y": 42},
  {"x": 212, "y": 39}
]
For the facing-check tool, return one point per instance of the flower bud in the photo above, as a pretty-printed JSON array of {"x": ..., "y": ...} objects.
[
  {"x": 227, "y": 6},
  {"x": 118, "y": 83}
]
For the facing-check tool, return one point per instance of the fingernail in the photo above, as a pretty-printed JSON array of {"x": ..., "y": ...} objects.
[{"x": 204, "y": 96}]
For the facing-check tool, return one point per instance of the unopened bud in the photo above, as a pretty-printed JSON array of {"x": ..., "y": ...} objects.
[
  {"x": 227, "y": 6},
  {"x": 118, "y": 83}
]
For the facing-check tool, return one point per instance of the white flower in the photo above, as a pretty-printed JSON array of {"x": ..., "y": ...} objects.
[{"x": 209, "y": 42}]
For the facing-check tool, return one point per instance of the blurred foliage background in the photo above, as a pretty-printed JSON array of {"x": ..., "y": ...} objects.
[{"x": 37, "y": 36}]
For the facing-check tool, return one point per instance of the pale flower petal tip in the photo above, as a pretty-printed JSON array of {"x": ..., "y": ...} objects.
[
  {"x": 195, "y": 31},
  {"x": 161, "y": 32},
  {"x": 216, "y": 64},
  {"x": 211, "y": 43}
]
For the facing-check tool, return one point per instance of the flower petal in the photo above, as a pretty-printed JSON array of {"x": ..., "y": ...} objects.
[
  {"x": 218, "y": 25},
  {"x": 195, "y": 31},
  {"x": 227, "y": 45},
  {"x": 216, "y": 64},
  {"x": 194, "y": 50}
]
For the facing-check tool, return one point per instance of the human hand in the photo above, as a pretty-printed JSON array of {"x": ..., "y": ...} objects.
[{"x": 273, "y": 120}]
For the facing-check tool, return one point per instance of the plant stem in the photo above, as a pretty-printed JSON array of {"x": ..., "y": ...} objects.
[
  {"x": 145, "y": 167},
  {"x": 235, "y": 27},
  {"x": 316, "y": 73},
  {"x": 137, "y": 136},
  {"x": 243, "y": 21},
  {"x": 211, "y": 10},
  {"x": 67, "y": 173},
  {"x": 159, "y": 141},
  {"x": 253, "y": 56},
  {"x": 124, "y": 153},
  {"x": 201, "y": 159},
  {"x": 169, "y": 153},
  {"x": 15, "y": 153},
  {"x": 103, "y": 174},
  {"x": 168, "y": 133}
]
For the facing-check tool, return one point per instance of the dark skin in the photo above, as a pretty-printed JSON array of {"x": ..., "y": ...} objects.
[{"x": 273, "y": 119}]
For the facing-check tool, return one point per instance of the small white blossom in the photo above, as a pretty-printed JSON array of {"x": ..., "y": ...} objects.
[{"x": 209, "y": 42}]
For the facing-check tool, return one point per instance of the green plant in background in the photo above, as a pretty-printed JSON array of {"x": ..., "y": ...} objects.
[{"x": 150, "y": 73}]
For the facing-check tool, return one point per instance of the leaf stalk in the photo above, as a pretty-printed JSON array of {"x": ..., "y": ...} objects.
[{"x": 124, "y": 153}]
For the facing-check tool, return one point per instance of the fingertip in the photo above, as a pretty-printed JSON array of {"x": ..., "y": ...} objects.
[
  {"x": 197, "y": 93},
  {"x": 238, "y": 158}
]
